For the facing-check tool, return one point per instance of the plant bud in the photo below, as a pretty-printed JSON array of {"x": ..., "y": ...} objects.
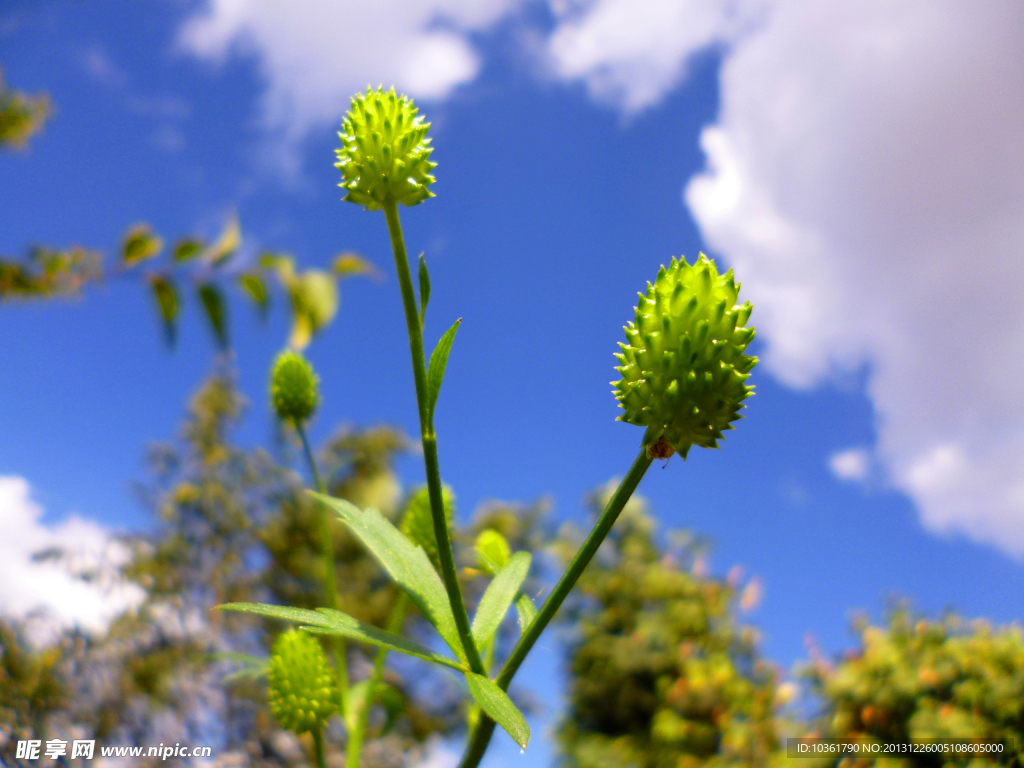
[
  {"x": 385, "y": 152},
  {"x": 293, "y": 387},
  {"x": 683, "y": 367},
  {"x": 492, "y": 551},
  {"x": 301, "y": 689},
  {"x": 418, "y": 524}
]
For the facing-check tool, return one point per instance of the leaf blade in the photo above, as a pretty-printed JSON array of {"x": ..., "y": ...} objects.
[
  {"x": 169, "y": 304},
  {"x": 438, "y": 363},
  {"x": 527, "y": 611},
  {"x": 499, "y": 707},
  {"x": 213, "y": 302},
  {"x": 424, "y": 289},
  {"x": 255, "y": 287},
  {"x": 407, "y": 564},
  {"x": 326, "y": 621},
  {"x": 140, "y": 244},
  {"x": 498, "y": 597}
]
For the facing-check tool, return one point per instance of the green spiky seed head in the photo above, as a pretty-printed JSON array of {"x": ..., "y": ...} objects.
[
  {"x": 492, "y": 551},
  {"x": 301, "y": 687},
  {"x": 684, "y": 368},
  {"x": 418, "y": 524},
  {"x": 294, "y": 387},
  {"x": 385, "y": 152}
]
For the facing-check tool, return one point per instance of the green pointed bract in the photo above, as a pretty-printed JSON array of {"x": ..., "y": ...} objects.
[
  {"x": 684, "y": 368},
  {"x": 385, "y": 152},
  {"x": 293, "y": 387},
  {"x": 301, "y": 688}
]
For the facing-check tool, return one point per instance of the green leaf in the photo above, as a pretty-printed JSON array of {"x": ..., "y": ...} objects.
[
  {"x": 140, "y": 244},
  {"x": 255, "y": 287},
  {"x": 408, "y": 565},
  {"x": 228, "y": 242},
  {"x": 498, "y": 598},
  {"x": 167, "y": 302},
  {"x": 438, "y": 362},
  {"x": 187, "y": 249},
  {"x": 252, "y": 667},
  {"x": 424, "y": 289},
  {"x": 496, "y": 703},
  {"x": 348, "y": 264},
  {"x": 213, "y": 303},
  {"x": 527, "y": 611},
  {"x": 315, "y": 299},
  {"x": 326, "y": 621}
]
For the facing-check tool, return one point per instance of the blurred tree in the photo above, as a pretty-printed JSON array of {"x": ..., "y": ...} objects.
[
  {"x": 32, "y": 687},
  {"x": 921, "y": 679},
  {"x": 661, "y": 676}
]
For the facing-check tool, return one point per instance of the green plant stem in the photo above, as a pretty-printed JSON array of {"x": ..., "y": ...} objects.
[
  {"x": 330, "y": 584},
  {"x": 419, "y": 369},
  {"x": 481, "y": 734},
  {"x": 318, "y": 747},
  {"x": 358, "y": 734}
]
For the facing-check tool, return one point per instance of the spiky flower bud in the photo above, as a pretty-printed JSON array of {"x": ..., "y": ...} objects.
[
  {"x": 301, "y": 688},
  {"x": 418, "y": 523},
  {"x": 683, "y": 369},
  {"x": 293, "y": 387},
  {"x": 492, "y": 551},
  {"x": 384, "y": 153}
]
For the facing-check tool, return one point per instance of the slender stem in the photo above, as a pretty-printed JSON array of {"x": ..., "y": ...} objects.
[
  {"x": 357, "y": 735},
  {"x": 318, "y": 747},
  {"x": 481, "y": 734},
  {"x": 330, "y": 585},
  {"x": 419, "y": 370}
]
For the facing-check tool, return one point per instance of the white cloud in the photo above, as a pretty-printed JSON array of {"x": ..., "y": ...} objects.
[
  {"x": 51, "y": 592},
  {"x": 315, "y": 54},
  {"x": 866, "y": 179},
  {"x": 630, "y": 53},
  {"x": 851, "y": 464}
]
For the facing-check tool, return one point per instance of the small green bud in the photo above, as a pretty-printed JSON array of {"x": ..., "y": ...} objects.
[
  {"x": 301, "y": 688},
  {"x": 293, "y": 387},
  {"x": 492, "y": 551},
  {"x": 683, "y": 367},
  {"x": 385, "y": 152},
  {"x": 418, "y": 524}
]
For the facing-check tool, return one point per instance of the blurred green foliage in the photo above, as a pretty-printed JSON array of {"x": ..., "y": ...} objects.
[
  {"x": 21, "y": 115},
  {"x": 662, "y": 676},
  {"x": 916, "y": 679}
]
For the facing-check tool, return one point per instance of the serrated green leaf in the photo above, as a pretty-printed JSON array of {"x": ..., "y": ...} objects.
[
  {"x": 424, "y": 289},
  {"x": 438, "y": 362},
  {"x": 407, "y": 564},
  {"x": 140, "y": 243},
  {"x": 167, "y": 302},
  {"x": 499, "y": 707},
  {"x": 498, "y": 597},
  {"x": 327, "y": 621},
  {"x": 527, "y": 611},
  {"x": 187, "y": 249},
  {"x": 255, "y": 287},
  {"x": 216, "y": 313}
]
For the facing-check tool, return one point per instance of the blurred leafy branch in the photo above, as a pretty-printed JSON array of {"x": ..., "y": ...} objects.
[{"x": 312, "y": 294}]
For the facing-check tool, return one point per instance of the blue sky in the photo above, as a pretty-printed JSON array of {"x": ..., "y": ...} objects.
[{"x": 579, "y": 147}]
